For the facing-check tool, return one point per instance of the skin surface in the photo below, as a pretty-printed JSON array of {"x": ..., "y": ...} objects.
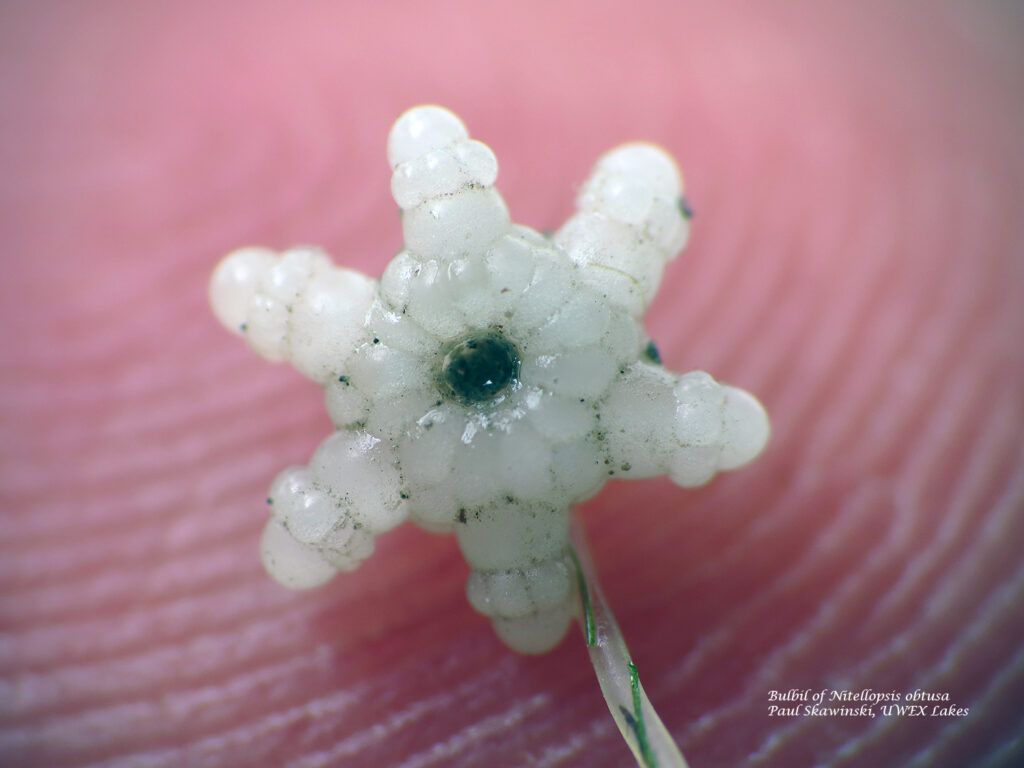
[{"x": 856, "y": 261}]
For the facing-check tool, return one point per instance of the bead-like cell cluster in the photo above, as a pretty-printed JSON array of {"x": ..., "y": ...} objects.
[{"x": 491, "y": 378}]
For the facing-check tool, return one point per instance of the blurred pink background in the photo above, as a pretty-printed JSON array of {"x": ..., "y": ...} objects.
[{"x": 857, "y": 261}]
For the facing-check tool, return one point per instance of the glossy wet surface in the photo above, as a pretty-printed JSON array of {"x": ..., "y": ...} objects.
[{"x": 855, "y": 172}]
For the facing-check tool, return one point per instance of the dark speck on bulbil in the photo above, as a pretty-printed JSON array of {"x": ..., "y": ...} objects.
[{"x": 652, "y": 354}]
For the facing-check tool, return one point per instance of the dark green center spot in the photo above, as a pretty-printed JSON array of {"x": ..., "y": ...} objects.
[{"x": 478, "y": 366}]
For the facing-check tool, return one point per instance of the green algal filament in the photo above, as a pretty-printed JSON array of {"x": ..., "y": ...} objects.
[
  {"x": 646, "y": 735},
  {"x": 638, "y": 718},
  {"x": 589, "y": 629}
]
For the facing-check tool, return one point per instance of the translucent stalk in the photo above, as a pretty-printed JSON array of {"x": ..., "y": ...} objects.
[{"x": 646, "y": 735}]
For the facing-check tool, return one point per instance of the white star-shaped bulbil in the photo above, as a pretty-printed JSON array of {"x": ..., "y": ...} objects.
[{"x": 492, "y": 378}]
